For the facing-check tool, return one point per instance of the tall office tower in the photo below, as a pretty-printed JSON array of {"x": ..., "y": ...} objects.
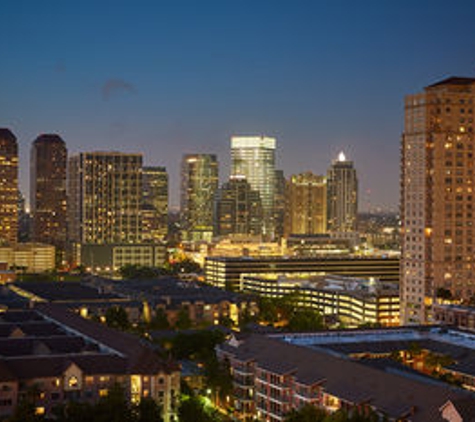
[
  {"x": 279, "y": 204},
  {"x": 238, "y": 209},
  {"x": 437, "y": 199},
  {"x": 306, "y": 204},
  {"x": 342, "y": 196},
  {"x": 104, "y": 198},
  {"x": 155, "y": 204},
  {"x": 254, "y": 158},
  {"x": 48, "y": 190},
  {"x": 199, "y": 183},
  {"x": 8, "y": 187}
]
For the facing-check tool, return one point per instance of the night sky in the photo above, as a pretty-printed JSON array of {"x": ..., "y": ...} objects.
[{"x": 175, "y": 77}]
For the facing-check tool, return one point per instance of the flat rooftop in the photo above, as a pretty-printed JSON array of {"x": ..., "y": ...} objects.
[{"x": 459, "y": 345}]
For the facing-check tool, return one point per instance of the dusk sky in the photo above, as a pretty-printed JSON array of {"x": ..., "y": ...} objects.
[{"x": 175, "y": 77}]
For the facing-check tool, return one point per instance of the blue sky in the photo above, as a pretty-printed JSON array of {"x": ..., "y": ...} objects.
[{"x": 172, "y": 77}]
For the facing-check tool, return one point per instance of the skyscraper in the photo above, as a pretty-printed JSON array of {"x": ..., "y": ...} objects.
[
  {"x": 238, "y": 209},
  {"x": 8, "y": 187},
  {"x": 254, "y": 158},
  {"x": 306, "y": 204},
  {"x": 105, "y": 197},
  {"x": 437, "y": 199},
  {"x": 279, "y": 204},
  {"x": 342, "y": 196},
  {"x": 155, "y": 203},
  {"x": 48, "y": 190},
  {"x": 199, "y": 183}
]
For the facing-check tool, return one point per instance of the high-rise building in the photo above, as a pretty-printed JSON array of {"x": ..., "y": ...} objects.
[
  {"x": 254, "y": 158},
  {"x": 306, "y": 204},
  {"x": 238, "y": 209},
  {"x": 279, "y": 204},
  {"x": 342, "y": 196},
  {"x": 155, "y": 204},
  {"x": 48, "y": 190},
  {"x": 8, "y": 187},
  {"x": 199, "y": 183},
  {"x": 437, "y": 199},
  {"x": 105, "y": 198}
]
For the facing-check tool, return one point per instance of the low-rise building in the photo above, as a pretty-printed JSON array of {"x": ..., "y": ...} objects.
[
  {"x": 456, "y": 315},
  {"x": 225, "y": 272},
  {"x": 108, "y": 259},
  {"x": 350, "y": 300},
  {"x": 275, "y": 374},
  {"x": 29, "y": 257},
  {"x": 80, "y": 297},
  {"x": 68, "y": 358},
  {"x": 204, "y": 304}
]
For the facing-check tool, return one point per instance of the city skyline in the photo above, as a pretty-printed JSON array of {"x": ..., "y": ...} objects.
[{"x": 318, "y": 77}]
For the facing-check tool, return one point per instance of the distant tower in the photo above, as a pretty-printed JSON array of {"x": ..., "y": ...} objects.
[
  {"x": 342, "y": 196},
  {"x": 105, "y": 198},
  {"x": 306, "y": 204},
  {"x": 155, "y": 204},
  {"x": 8, "y": 187},
  {"x": 254, "y": 158},
  {"x": 437, "y": 198},
  {"x": 238, "y": 209},
  {"x": 48, "y": 190},
  {"x": 199, "y": 183},
  {"x": 279, "y": 204}
]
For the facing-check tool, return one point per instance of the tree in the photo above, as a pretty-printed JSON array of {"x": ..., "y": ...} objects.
[
  {"x": 160, "y": 320},
  {"x": 444, "y": 294},
  {"x": 113, "y": 407},
  {"x": 116, "y": 317},
  {"x": 193, "y": 409},
  {"x": 183, "y": 321},
  {"x": 148, "y": 411},
  {"x": 218, "y": 377},
  {"x": 307, "y": 413},
  {"x": 305, "y": 320}
]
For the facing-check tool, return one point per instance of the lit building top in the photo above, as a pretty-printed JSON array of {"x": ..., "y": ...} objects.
[{"x": 252, "y": 142}]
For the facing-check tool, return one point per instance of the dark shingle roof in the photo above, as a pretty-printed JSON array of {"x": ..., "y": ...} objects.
[
  {"x": 454, "y": 80},
  {"x": 392, "y": 393}
]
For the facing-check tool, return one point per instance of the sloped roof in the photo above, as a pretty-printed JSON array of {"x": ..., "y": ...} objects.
[{"x": 355, "y": 382}]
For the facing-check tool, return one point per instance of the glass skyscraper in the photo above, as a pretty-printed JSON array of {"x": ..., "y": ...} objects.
[
  {"x": 199, "y": 183},
  {"x": 342, "y": 196},
  {"x": 254, "y": 158}
]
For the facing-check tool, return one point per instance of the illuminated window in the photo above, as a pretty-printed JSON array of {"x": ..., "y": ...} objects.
[
  {"x": 73, "y": 382},
  {"x": 103, "y": 392},
  {"x": 40, "y": 411}
]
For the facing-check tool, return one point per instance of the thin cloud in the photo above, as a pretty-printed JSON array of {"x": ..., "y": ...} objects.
[{"x": 113, "y": 87}]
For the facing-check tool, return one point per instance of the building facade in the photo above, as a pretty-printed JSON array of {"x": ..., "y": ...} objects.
[
  {"x": 228, "y": 271},
  {"x": 437, "y": 201},
  {"x": 306, "y": 204},
  {"x": 155, "y": 204},
  {"x": 238, "y": 209},
  {"x": 342, "y": 195},
  {"x": 348, "y": 300},
  {"x": 199, "y": 183},
  {"x": 105, "y": 197},
  {"x": 66, "y": 358},
  {"x": 276, "y": 374},
  {"x": 29, "y": 257},
  {"x": 254, "y": 158},
  {"x": 8, "y": 187},
  {"x": 48, "y": 190}
]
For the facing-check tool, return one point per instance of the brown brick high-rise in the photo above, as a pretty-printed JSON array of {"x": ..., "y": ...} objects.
[
  {"x": 437, "y": 202},
  {"x": 48, "y": 190}
]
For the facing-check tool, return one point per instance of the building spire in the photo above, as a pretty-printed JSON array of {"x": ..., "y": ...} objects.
[{"x": 341, "y": 156}]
